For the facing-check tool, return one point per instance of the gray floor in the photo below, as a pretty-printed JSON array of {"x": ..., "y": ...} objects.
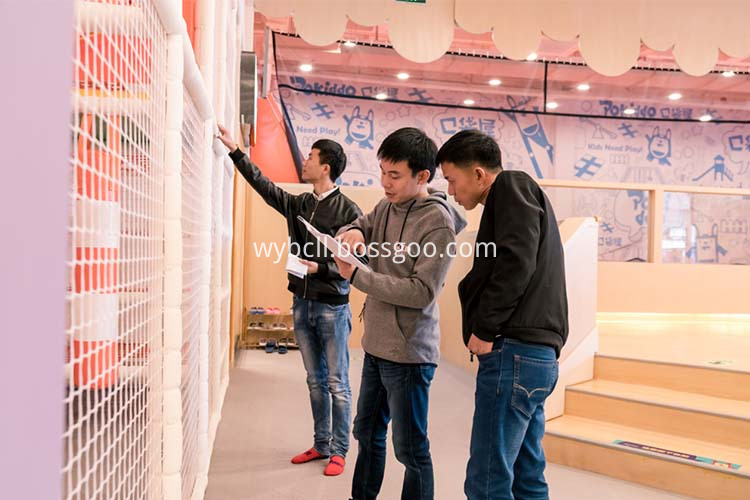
[{"x": 266, "y": 420}]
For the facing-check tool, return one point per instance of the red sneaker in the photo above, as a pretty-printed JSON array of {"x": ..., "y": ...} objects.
[
  {"x": 308, "y": 456},
  {"x": 335, "y": 466}
]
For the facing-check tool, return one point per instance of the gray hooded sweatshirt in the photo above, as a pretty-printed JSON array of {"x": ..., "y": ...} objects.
[{"x": 401, "y": 312}]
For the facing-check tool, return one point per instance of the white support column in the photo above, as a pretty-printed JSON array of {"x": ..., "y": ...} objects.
[
  {"x": 205, "y": 21},
  {"x": 227, "y": 292},
  {"x": 233, "y": 30},
  {"x": 217, "y": 63},
  {"x": 204, "y": 409},
  {"x": 220, "y": 62},
  {"x": 247, "y": 10},
  {"x": 216, "y": 292},
  {"x": 172, "y": 432}
]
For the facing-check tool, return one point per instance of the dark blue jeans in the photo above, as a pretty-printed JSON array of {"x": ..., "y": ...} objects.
[
  {"x": 507, "y": 459},
  {"x": 322, "y": 332},
  {"x": 398, "y": 392}
]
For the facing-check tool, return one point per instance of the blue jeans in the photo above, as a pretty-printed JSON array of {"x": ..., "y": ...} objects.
[
  {"x": 322, "y": 332},
  {"x": 400, "y": 392},
  {"x": 507, "y": 459}
]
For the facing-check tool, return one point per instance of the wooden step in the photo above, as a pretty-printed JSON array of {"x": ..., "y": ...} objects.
[
  {"x": 593, "y": 445},
  {"x": 717, "y": 382},
  {"x": 696, "y": 416}
]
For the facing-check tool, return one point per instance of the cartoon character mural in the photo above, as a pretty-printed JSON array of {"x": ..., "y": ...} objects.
[
  {"x": 628, "y": 218},
  {"x": 531, "y": 130},
  {"x": 706, "y": 249},
  {"x": 370, "y": 181},
  {"x": 660, "y": 146},
  {"x": 599, "y": 129},
  {"x": 360, "y": 129},
  {"x": 630, "y": 211},
  {"x": 583, "y": 146},
  {"x": 737, "y": 148},
  {"x": 718, "y": 168},
  {"x": 358, "y": 171}
]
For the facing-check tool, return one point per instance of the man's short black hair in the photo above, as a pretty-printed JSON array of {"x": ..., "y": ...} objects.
[
  {"x": 331, "y": 153},
  {"x": 469, "y": 147},
  {"x": 412, "y": 145}
]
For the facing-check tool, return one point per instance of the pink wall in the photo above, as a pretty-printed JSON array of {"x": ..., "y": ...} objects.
[{"x": 36, "y": 37}]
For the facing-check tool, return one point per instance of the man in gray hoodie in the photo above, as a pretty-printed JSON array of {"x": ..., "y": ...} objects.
[{"x": 410, "y": 239}]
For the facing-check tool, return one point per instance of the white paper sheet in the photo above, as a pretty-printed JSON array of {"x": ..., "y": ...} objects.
[
  {"x": 295, "y": 267},
  {"x": 334, "y": 246}
]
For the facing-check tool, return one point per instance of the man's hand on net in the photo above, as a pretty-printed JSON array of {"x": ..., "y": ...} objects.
[{"x": 226, "y": 138}]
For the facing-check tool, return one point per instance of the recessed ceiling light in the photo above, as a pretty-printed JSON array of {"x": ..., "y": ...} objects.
[
  {"x": 629, "y": 111},
  {"x": 305, "y": 67},
  {"x": 494, "y": 82},
  {"x": 349, "y": 43},
  {"x": 728, "y": 74},
  {"x": 705, "y": 118},
  {"x": 552, "y": 105},
  {"x": 403, "y": 76},
  {"x": 381, "y": 96},
  {"x": 675, "y": 96},
  {"x": 583, "y": 87},
  {"x": 532, "y": 56},
  {"x": 469, "y": 102}
]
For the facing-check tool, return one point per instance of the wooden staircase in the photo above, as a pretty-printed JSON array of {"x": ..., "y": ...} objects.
[{"x": 680, "y": 428}]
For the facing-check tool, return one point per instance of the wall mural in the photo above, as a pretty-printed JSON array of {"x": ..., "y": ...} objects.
[{"x": 697, "y": 228}]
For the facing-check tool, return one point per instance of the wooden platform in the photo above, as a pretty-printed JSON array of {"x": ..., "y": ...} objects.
[{"x": 676, "y": 427}]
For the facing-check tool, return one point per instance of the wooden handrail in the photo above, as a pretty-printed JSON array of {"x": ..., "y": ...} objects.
[
  {"x": 619, "y": 186},
  {"x": 655, "y": 199}
]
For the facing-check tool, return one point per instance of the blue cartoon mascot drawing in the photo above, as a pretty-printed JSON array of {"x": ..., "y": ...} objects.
[
  {"x": 631, "y": 208},
  {"x": 660, "y": 146},
  {"x": 360, "y": 129},
  {"x": 707, "y": 248},
  {"x": 531, "y": 130}
]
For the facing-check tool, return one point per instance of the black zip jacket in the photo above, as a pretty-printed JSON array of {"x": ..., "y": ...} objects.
[
  {"x": 327, "y": 215},
  {"x": 518, "y": 293}
]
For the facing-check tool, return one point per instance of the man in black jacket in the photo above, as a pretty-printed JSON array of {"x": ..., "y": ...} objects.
[
  {"x": 322, "y": 317},
  {"x": 515, "y": 317}
]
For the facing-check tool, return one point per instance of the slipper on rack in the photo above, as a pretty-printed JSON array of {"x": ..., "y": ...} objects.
[
  {"x": 292, "y": 343},
  {"x": 270, "y": 345}
]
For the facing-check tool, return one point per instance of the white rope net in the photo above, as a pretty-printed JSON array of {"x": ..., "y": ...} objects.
[
  {"x": 149, "y": 259},
  {"x": 113, "y": 393}
]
